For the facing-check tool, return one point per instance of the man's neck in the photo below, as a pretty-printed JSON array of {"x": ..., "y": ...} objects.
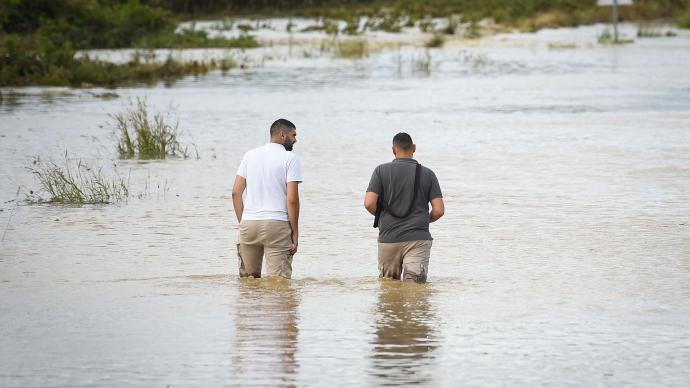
[{"x": 403, "y": 156}]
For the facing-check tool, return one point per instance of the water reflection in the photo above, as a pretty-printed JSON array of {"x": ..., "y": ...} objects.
[
  {"x": 265, "y": 333},
  {"x": 405, "y": 339}
]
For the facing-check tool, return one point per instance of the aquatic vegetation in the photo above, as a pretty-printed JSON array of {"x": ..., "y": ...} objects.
[
  {"x": 105, "y": 95},
  {"x": 38, "y": 43},
  {"x": 422, "y": 64},
  {"x": 351, "y": 48},
  {"x": 476, "y": 60},
  {"x": 352, "y": 26},
  {"x": 437, "y": 40},
  {"x": 684, "y": 19},
  {"x": 80, "y": 184},
  {"x": 426, "y": 25},
  {"x": 144, "y": 136},
  {"x": 28, "y": 61},
  {"x": 245, "y": 27},
  {"x": 224, "y": 25},
  {"x": 452, "y": 26},
  {"x": 561, "y": 46},
  {"x": 645, "y": 30},
  {"x": 472, "y": 30},
  {"x": 189, "y": 38},
  {"x": 328, "y": 26},
  {"x": 606, "y": 37},
  {"x": 550, "y": 19}
]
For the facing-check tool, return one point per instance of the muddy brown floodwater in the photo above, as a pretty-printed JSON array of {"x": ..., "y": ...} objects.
[{"x": 563, "y": 258}]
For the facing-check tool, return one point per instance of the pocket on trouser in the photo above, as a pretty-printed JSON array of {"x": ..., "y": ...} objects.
[
  {"x": 240, "y": 263},
  {"x": 277, "y": 252},
  {"x": 416, "y": 264},
  {"x": 415, "y": 272}
]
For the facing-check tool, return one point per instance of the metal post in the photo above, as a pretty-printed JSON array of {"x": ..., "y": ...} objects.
[{"x": 615, "y": 20}]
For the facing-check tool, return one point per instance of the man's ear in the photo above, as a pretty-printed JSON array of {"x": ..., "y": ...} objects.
[
  {"x": 393, "y": 149},
  {"x": 414, "y": 148}
]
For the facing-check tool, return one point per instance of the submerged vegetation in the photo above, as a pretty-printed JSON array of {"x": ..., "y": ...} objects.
[
  {"x": 351, "y": 49},
  {"x": 78, "y": 184},
  {"x": 394, "y": 14},
  {"x": 684, "y": 19},
  {"x": 143, "y": 136},
  {"x": 39, "y": 42}
]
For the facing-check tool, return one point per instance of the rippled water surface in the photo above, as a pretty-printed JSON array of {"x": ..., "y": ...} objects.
[{"x": 563, "y": 258}]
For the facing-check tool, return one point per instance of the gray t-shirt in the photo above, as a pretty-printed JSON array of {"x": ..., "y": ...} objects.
[{"x": 396, "y": 181}]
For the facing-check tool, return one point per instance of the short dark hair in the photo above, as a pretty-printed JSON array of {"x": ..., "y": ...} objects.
[
  {"x": 281, "y": 125},
  {"x": 402, "y": 141}
]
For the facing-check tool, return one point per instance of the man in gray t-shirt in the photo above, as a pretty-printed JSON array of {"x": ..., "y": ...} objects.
[{"x": 404, "y": 238}]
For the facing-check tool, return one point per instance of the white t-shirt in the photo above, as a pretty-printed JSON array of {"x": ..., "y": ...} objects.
[{"x": 267, "y": 170}]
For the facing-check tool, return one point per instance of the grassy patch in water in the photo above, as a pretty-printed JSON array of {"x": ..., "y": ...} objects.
[
  {"x": 145, "y": 136},
  {"x": 422, "y": 64},
  {"x": 351, "y": 48},
  {"x": 607, "y": 37},
  {"x": 39, "y": 40},
  {"x": 80, "y": 184},
  {"x": 646, "y": 30},
  {"x": 684, "y": 19},
  {"x": 437, "y": 40},
  {"x": 189, "y": 38}
]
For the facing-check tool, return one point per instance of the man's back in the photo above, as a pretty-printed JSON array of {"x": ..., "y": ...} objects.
[
  {"x": 394, "y": 183},
  {"x": 404, "y": 238},
  {"x": 269, "y": 222},
  {"x": 267, "y": 170}
]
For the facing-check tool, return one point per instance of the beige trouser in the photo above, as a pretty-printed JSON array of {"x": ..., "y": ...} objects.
[
  {"x": 270, "y": 238},
  {"x": 410, "y": 258}
]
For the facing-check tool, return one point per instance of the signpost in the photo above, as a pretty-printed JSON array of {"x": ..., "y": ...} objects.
[{"x": 614, "y": 13}]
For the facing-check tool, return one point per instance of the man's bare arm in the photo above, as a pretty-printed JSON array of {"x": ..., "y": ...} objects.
[
  {"x": 437, "y": 209},
  {"x": 370, "y": 202},
  {"x": 293, "y": 213},
  {"x": 237, "y": 191}
]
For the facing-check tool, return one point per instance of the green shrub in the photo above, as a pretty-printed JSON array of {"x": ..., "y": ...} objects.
[
  {"x": 144, "y": 136},
  {"x": 75, "y": 185},
  {"x": 194, "y": 39},
  {"x": 684, "y": 20},
  {"x": 351, "y": 49},
  {"x": 437, "y": 40}
]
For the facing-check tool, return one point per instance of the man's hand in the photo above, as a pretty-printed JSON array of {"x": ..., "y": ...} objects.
[
  {"x": 438, "y": 208},
  {"x": 237, "y": 190},
  {"x": 293, "y": 247}
]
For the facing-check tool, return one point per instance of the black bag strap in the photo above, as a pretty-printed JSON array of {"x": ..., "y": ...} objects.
[{"x": 382, "y": 205}]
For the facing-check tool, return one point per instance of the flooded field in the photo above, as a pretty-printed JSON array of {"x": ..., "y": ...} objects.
[{"x": 563, "y": 258}]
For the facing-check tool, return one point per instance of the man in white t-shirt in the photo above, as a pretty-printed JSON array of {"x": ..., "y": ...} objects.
[{"x": 269, "y": 218}]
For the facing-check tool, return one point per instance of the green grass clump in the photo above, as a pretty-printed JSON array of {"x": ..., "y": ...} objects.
[
  {"x": 36, "y": 61},
  {"x": 78, "y": 185},
  {"x": 351, "y": 48},
  {"x": 422, "y": 64},
  {"x": 607, "y": 37},
  {"x": 144, "y": 136},
  {"x": 194, "y": 39},
  {"x": 437, "y": 40},
  {"x": 684, "y": 20}
]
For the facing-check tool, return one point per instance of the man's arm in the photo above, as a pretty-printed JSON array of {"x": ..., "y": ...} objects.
[
  {"x": 293, "y": 213},
  {"x": 437, "y": 209},
  {"x": 237, "y": 190},
  {"x": 370, "y": 202}
]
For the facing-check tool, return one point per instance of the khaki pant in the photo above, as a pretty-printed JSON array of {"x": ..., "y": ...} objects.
[
  {"x": 409, "y": 258},
  {"x": 270, "y": 238}
]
